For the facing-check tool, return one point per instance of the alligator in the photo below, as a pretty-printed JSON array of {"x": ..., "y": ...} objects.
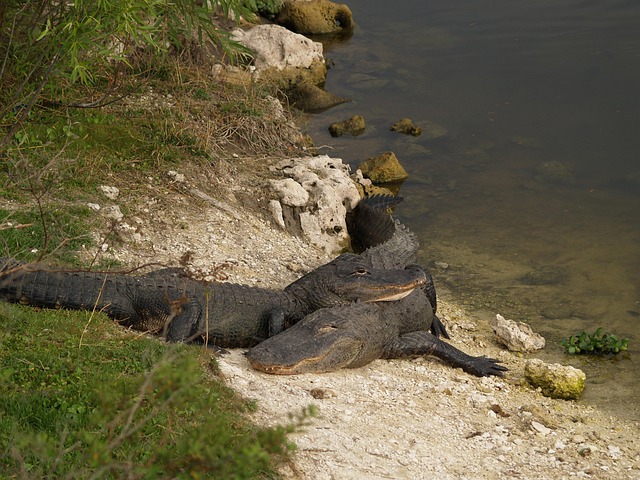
[
  {"x": 352, "y": 336},
  {"x": 182, "y": 309}
]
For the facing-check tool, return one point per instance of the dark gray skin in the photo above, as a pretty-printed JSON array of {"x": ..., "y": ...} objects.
[
  {"x": 348, "y": 337},
  {"x": 353, "y": 336},
  {"x": 183, "y": 309}
]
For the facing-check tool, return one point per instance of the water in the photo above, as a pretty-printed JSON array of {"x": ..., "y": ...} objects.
[{"x": 539, "y": 172}]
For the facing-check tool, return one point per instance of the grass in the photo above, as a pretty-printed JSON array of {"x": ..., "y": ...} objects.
[
  {"x": 103, "y": 403},
  {"x": 100, "y": 402}
]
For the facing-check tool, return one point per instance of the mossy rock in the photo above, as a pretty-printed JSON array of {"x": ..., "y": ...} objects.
[
  {"x": 555, "y": 380},
  {"x": 315, "y": 17},
  {"x": 406, "y": 127},
  {"x": 310, "y": 98},
  {"x": 384, "y": 168},
  {"x": 352, "y": 126}
]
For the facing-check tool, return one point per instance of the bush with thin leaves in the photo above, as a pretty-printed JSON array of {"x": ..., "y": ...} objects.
[{"x": 48, "y": 47}]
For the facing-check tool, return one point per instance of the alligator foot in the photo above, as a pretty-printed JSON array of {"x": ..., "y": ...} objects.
[
  {"x": 425, "y": 343},
  {"x": 438, "y": 329}
]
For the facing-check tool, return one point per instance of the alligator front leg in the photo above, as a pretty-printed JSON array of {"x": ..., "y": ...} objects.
[{"x": 424, "y": 343}]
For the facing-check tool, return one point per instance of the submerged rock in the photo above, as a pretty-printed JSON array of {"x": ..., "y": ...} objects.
[
  {"x": 555, "y": 380},
  {"x": 407, "y": 127},
  {"x": 432, "y": 130},
  {"x": 384, "y": 168},
  {"x": 516, "y": 336},
  {"x": 546, "y": 275},
  {"x": 555, "y": 172},
  {"x": 315, "y": 17},
  {"x": 352, "y": 126},
  {"x": 310, "y": 98}
]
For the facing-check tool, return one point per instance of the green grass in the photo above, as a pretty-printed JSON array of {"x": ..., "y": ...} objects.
[
  {"x": 108, "y": 404},
  {"x": 65, "y": 228},
  {"x": 104, "y": 403}
]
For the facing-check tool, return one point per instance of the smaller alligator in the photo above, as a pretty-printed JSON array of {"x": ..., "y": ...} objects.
[
  {"x": 183, "y": 309},
  {"x": 353, "y": 336}
]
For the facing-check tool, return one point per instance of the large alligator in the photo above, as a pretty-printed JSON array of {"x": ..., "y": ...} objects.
[
  {"x": 352, "y": 336},
  {"x": 183, "y": 309}
]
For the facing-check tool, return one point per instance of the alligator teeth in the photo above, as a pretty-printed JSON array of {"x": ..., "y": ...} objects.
[{"x": 397, "y": 296}]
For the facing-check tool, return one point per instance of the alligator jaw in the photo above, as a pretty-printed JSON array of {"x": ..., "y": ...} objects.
[
  {"x": 393, "y": 297},
  {"x": 339, "y": 353}
]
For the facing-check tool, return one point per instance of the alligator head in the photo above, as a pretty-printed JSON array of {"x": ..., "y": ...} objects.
[
  {"x": 324, "y": 341},
  {"x": 349, "y": 279}
]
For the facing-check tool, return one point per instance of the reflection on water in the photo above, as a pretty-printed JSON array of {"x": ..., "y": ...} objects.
[{"x": 526, "y": 188}]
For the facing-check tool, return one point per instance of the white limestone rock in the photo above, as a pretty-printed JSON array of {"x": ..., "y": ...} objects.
[
  {"x": 516, "y": 336},
  {"x": 314, "y": 200},
  {"x": 276, "y": 47},
  {"x": 110, "y": 192}
]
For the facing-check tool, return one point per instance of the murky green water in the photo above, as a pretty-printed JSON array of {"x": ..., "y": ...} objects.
[{"x": 539, "y": 171}]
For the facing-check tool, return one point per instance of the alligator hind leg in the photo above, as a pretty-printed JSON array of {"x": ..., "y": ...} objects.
[
  {"x": 424, "y": 343},
  {"x": 438, "y": 328},
  {"x": 182, "y": 324}
]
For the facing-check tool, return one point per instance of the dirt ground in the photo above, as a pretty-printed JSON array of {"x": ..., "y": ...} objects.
[{"x": 414, "y": 418}]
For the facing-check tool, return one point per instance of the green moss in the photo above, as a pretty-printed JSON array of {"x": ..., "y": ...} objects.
[{"x": 555, "y": 381}]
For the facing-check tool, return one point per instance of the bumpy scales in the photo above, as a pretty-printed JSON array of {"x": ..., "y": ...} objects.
[
  {"x": 183, "y": 309},
  {"x": 352, "y": 336}
]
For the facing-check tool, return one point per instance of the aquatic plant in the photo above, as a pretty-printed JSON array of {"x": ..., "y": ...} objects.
[{"x": 597, "y": 343}]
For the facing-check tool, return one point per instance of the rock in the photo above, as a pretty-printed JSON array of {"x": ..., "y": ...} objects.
[
  {"x": 276, "y": 47},
  {"x": 433, "y": 130},
  {"x": 555, "y": 380},
  {"x": 406, "y": 127},
  {"x": 283, "y": 57},
  {"x": 310, "y": 98},
  {"x": 110, "y": 192},
  {"x": 315, "y": 17},
  {"x": 545, "y": 275},
  {"x": 555, "y": 172},
  {"x": 290, "y": 192},
  {"x": 329, "y": 194},
  {"x": 384, "y": 168},
  {"x": 516, "y": 336},
  {"x": 113, "y": 212},
  {"x": 275, "y": 207},
  {"x": 353, "y": 126},
  {"x": 176, "y": 177}
]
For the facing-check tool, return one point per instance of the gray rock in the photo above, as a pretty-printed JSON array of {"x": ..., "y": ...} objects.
[{"x": 516, "y": 336}]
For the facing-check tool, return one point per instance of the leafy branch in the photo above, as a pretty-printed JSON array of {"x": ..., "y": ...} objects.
[{"x": 48, "y": 48}]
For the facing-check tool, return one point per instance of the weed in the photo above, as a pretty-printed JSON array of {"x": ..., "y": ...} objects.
[{"x": 597, "y": 343}]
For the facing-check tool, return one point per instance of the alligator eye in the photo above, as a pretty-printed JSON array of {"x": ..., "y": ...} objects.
[
  {"x": 361, "y": 271},
  {"x": 327, "y": 329}
]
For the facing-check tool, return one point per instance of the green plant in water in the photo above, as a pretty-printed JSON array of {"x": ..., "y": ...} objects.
[{"x": 597, "y": 343}]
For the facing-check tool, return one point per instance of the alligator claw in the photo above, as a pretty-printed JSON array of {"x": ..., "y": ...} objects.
[{"x": 484, "y": 367}]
